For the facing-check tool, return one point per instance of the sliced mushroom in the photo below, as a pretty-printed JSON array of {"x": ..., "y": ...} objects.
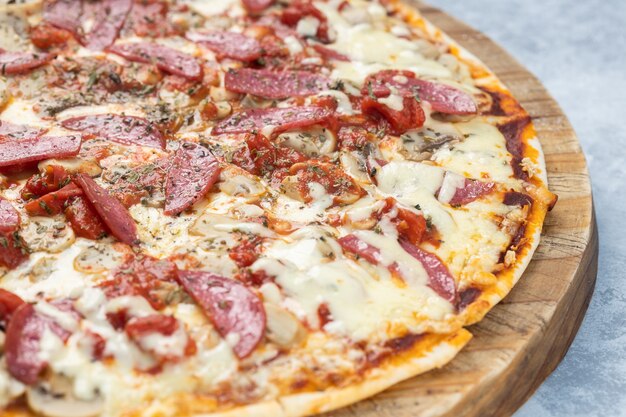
[
  {"x": 237, "y": 182},
  {"x": 283, "y": 328},
  {"x": 47, "y": 234},
  {"x": 420, "y": 144},
  {"x": 55, "y": 398},
  {"x": 98, "y": 258},
  {"x": 313, "y": 142}
]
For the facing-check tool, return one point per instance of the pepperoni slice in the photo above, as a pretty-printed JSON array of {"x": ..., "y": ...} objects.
[
  {"x": 53, "y": 179},
  {"x": 112, "y": 212},
  {"x": 330, "y": 54},
  {"x": 166, "y": 59},
  {"x": 193, "y": 173},
  {"x": 274, "y": 84},
  {"x": 228, "y": 44},
  {"x": 10, "y": 131},
  {"x": 21, "y": 347},
  {"x": 230, "y": 305},
  {"x": 9, "y": 217},
  {"x": 9, "y": 302},
  {"x": 472, "y": 190},
  {"x": 257, "y": 6},
  {"x": 12, "y": 63},
  {"x": 64, "y": 14},
  {"x": 439, "y": 277},
  {"x": 37, "y": 149},
  {"x": 353, "y": 244},
  {"x": 110, "y": 18},
  {"x": 283, "y": 119},
  {"x": 53, "y": 203},
  {"x": 84, "y": 219},
  {"x": 443, "y": 98},
  {"x": 127, "y": 130}
]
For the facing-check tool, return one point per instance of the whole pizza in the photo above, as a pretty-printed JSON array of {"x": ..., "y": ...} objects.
[{"x": 247, "y": 207}]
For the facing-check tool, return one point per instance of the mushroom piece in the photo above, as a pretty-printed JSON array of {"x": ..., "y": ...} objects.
[
  {"x": 313, "y": 142},
  {"x": 54, "y": 398},
  {"x": 283, "y": 328}
]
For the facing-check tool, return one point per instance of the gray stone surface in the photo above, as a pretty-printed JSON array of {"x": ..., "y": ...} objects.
[{"x": 578, "y": 50}]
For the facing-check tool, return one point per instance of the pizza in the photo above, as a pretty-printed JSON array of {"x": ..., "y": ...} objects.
[{"x": 247, "y": 207}]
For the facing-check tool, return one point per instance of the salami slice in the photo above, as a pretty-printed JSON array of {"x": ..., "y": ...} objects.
[
  {"x": 282, "y": 119},
  {"x": 193, "y": 173},
  {"x": 228, "y": 44},
  {"x": 64, "y": 14},
  {"x": 112, "y": 212},
  {"x": 439, "y": 277},
  {"x": 274, "y": 84},
  {"x": 472, "y": 190},
  {"x": 9, "y": 217},
  {"x": 21, "y": 347},
  {"x": 257, "y": 6},
  {"x": 110, "y": 18},
  {"x": 443, "y": 98},
  {"x": 12, "y": 63},
  {"x": 127, "y": 130},
  {"x": 166, "y": 59},
  {"x": 10, "y": 131},
  {"x": 36, "y": 149},
  {"x": 231, "y": 306},
  {"x": 353, "y": 244}
]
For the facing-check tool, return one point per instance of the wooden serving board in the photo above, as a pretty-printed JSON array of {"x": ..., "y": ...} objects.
[{"x": 522, "y": 340}]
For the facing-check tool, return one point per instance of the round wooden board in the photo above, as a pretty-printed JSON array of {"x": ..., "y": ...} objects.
[{"x": 522, "y": 340}]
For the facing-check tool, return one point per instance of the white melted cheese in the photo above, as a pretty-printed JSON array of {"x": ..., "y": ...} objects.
[{"x": 372, "y": 49}]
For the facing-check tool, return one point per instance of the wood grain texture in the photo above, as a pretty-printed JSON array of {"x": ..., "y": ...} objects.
[{"x": 522, "y": 340}]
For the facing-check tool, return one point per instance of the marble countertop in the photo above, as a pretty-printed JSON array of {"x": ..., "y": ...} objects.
[{"x": 578, "y": 50}]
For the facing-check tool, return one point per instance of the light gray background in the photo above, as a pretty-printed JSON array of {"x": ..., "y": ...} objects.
[{"x": 577, "y": 48}]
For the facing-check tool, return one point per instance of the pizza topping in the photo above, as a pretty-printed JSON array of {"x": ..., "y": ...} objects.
[
  {"x": 53, "y": 178},
  {"x": 109, "y": 19},
  {"x": 37, "y": 149},
  {"x": 112, "y": 212},
  {"x": 192, "y": 174},
  {"x": 301, "y": 10},
  {"x": 236, "y": 312},
  {"x": 22, "y": 344},
  {"x": 275, "y": 84},
  {"x": 402, "y": 113},
  {"x": 330, "y": 54},
  {"x": 257, "y": 6},
  {"x": 64, "y": 14},
  {"x": 442, "y": 98},
  {"x": 261, "y": 157},
  {"x": 410, "y": 226},
  {"x": 280, "y": 119},
  {"x": 10, "y": 131},
  {"x": 166, "y": 59},
  {"x": 457, "y": 190},
  {"x": 54, "y": 397},
  {"x": 53, "y": 203},
  {"x": 162, "y": 336},
  {"x": 333, "y": 179},
  {"x": 229, "y": 44},
  {"x": 12, "y": 63},
  {"x": 84, "y": 219},
  {"x": 9, "y": 217},
  {"x": 127, "y": 130},
  {"x": 353, "y": 244},
  {"x": 12, "y": 250},
  {"x": 514, "y": 198},
  {"x": 145, "y": 276},
  {"x": 439, "y": 277},
  {"x": 149, "y": 19},
  {"x": 9, "y": 303}
]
